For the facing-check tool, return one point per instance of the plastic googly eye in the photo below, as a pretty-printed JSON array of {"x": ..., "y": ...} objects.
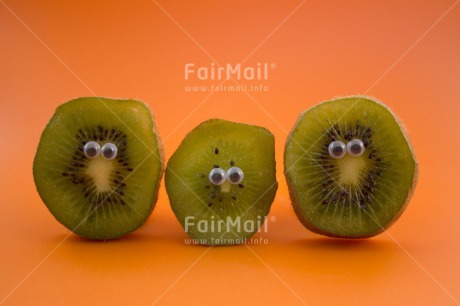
[
  {"x": 109, "y": 151},
  {"x": 217, "y": 176},
  {"x": 355, "y": 147},
  {"x": 337, "y": 149},
  {"x": 91, "y": 149},
  {"x": 235, "y": 175}
]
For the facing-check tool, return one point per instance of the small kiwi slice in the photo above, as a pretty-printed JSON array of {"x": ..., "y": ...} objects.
[
  {"x": 221, "y": 181},
  {"x": 98, "y": 166},
  {"x": 350, "y": 168}
]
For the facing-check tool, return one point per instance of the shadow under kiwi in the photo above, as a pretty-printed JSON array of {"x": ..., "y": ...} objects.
[
  {"x": 365, "y": 258},
  {"x": 343, "y": 244},
  {"x": 134, "y": 251}
]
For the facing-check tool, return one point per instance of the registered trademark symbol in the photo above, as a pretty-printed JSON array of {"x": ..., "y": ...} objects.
[
  {"x": 272, "y": 66},
  {"x": 272, "y": 218}
]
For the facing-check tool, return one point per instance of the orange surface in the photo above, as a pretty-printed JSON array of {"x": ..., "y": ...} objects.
[{"x": 405, "y": 53}]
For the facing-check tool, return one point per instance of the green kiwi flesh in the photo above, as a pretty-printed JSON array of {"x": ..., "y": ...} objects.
[
  {"x": 99, "y": 198},
  {"x": 229, "y": 213},
  {"x": 352, "y": 196}
]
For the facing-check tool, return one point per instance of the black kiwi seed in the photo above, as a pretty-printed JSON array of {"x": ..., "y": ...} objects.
[
  {"x": 216, "y": 151},
  {"x": 209, "y": 204},
  {"x": 232, "y": 163},
  {"x": 234, "y": 198},
  {"x": 216, "y": 166},
  {"x": 348, "y": 135},
  {"x": 241, "y": 185}
]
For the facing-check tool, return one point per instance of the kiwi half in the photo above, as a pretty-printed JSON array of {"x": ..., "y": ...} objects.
[
  {"x": 361, "y": 193},
  {"x": 102, "y": 196},
  {"x": 214, "y": 202}
]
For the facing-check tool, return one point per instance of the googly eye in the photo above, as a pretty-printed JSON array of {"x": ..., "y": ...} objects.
[
  {"x": 91, "y": 149},
  {"x": 235, "y": 175},
  {"x": 355, "y": 147},
  {"x": 109, "y": 151},
  {"x": 217, "y": 176},
  {"x": 337, "y": 149}
]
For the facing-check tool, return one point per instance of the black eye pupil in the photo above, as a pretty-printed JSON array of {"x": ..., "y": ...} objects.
[
  {"x": 337, "y": 150},
  {"x": 356, "y": 148},
  {"x": 91, "y": 151},
  {"x": 217, "y": 177},
  {"x": 108, "y": 152},
  {"x": 234, "y": 177}
]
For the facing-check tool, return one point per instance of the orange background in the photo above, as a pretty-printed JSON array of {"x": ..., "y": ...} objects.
[{"x": 406, "y": 53}]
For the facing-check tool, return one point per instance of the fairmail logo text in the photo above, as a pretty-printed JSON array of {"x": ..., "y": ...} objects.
[{"x": 236, "y": 72}]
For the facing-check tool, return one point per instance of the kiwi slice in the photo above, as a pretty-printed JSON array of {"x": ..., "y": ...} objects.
[
  {"x": 221, "y": 181},
  {"x": 98, "y": 166},
  {"x": 350, "y": 168}
]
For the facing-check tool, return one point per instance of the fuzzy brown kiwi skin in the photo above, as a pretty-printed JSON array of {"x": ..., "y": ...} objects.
[
  {"x": 295, "y": 202},
  {"x": 161, "y": 153}
]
